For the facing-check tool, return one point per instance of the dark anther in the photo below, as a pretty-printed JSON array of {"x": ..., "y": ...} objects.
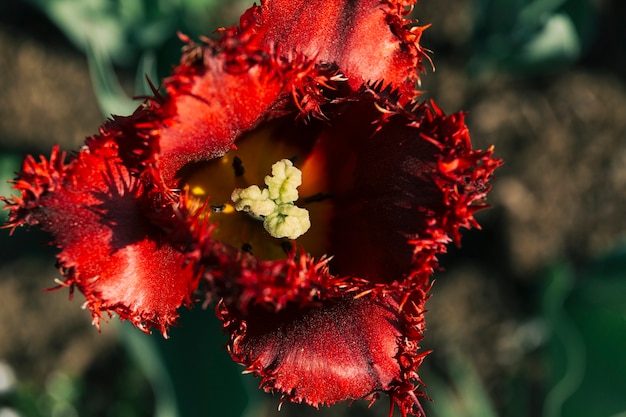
[
  {"x": 218, "y": 209},
  {"x": 316, "y": 198},
  {"x": 246, "y": 247},
  {"x": 293, "y": 159},
  {"x": 238, "y": 167},
  {"x": 286, "y": 246}
]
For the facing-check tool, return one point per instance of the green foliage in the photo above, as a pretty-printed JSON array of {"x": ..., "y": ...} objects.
[
  {"x": 586, "y": 313},
  {"x": 191, "y": 373},
  {"x": 124, "y": 29},
  {"x": 464, "y": 395},
  {"x": 576, "y": 364},
  {"x": 64, "y": 395},
  {"x": 139, "y": 34},
  {"x": 529, "y": 36},
  {"x": 9, "y": 164}
]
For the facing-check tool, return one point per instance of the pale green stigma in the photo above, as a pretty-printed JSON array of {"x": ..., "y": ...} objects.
[
  {"x": 284, "y": 182},
  {"x": 253, "y": 200},
  {"x": 275, "y": 204},
  {"x": 288, "y": 221}
]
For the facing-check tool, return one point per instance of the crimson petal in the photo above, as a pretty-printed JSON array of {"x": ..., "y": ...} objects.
[
  {"x": 369, "y": 40},
  {"x": 346, "y": 349},
  {"x": 224, "y": 88},
  {"x": 413, "y": 180},
  {"x": 402, "y": 186},
  {"x": 96, "y": 213},
  {"x": 401, "y": 181}
]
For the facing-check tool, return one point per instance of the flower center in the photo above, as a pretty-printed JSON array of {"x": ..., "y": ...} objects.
[
  {"x": 274, "y": 204},
  {"x": 264, "y": 219}
]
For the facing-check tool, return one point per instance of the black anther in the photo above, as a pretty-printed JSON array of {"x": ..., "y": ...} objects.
[
  {"x": 247, "y": 247},
  {"x": 316, "y": 198},
  {"x": 238, "y": 167},
  {"x": 287, "y": 246}
]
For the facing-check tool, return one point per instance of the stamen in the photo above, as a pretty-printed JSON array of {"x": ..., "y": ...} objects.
[
  {"x": 247, "y": 247},
  {"x": 238, "y": 167},
  {"x": 286, "y": 246},
  {"x": 316, "y": 198}
]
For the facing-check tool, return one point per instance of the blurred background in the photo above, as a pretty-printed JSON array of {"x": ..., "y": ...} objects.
[{"x": 528, "y": 318}]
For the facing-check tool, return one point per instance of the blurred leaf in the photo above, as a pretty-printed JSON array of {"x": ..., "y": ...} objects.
[
  {"x": 9, "y": 164},
  {"x": 567, "y": 350},
  {"x": 465, "y": 394},
  {"x": 148, "y": 358},
  {"x": 529, "y": 36},
  {"x": 191, "y": 373},
  {"x": 586, "y": 311},
  {"x": 134, "y": 33},
  {"x": 121, "y": 30},
  {"x": 146, "y": 70},
  {"x": 555, "y": 44},
  {"x": 111, "y": 97}
]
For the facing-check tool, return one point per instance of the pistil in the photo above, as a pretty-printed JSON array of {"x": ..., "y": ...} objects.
[
  {"x": 262, "y": 214},
  {"x": 275, "y": 204}
]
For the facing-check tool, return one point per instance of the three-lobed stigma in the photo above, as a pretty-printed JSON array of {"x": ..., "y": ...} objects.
[{"x": 275, "y": 204}]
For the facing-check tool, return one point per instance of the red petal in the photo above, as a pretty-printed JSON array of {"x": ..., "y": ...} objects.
[
  {"x": 402, "y": 183},
  {"x": 110, "y": 249},
  {"x": 225, "y": 88},
  {"x": 368, "y": 39},
  {"x": 402, "y": 186},
  {"x": 244, "y": 282},
  {"x": 210, "y": 108},
  {"x": 410, "y": 198},
  {"x": 350, "y": 349}
]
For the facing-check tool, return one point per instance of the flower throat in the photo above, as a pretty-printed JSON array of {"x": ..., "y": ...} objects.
[{"x": 264, "y": 193}]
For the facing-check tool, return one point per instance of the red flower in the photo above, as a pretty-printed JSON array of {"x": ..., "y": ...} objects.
[{"x": 387, "y": 182}]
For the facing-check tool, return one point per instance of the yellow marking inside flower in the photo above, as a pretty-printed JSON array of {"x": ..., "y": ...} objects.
[
  {"x": 228, "y": 208},
  {"x": 275, "y": 204},
  {"x": 197, "y": 191}
]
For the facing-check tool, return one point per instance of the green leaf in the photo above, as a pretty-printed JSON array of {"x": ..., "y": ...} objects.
[
  {"x": 464, "y": 396},
  {"x": 9, "y": 165},
  {"x": 530, "y": 36},
  {"x": 556, "y": 44},
  {"x": 191, "y": 373},
  {"x": 111, "y": 97},
  {"x": 586, "y": 311}
]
